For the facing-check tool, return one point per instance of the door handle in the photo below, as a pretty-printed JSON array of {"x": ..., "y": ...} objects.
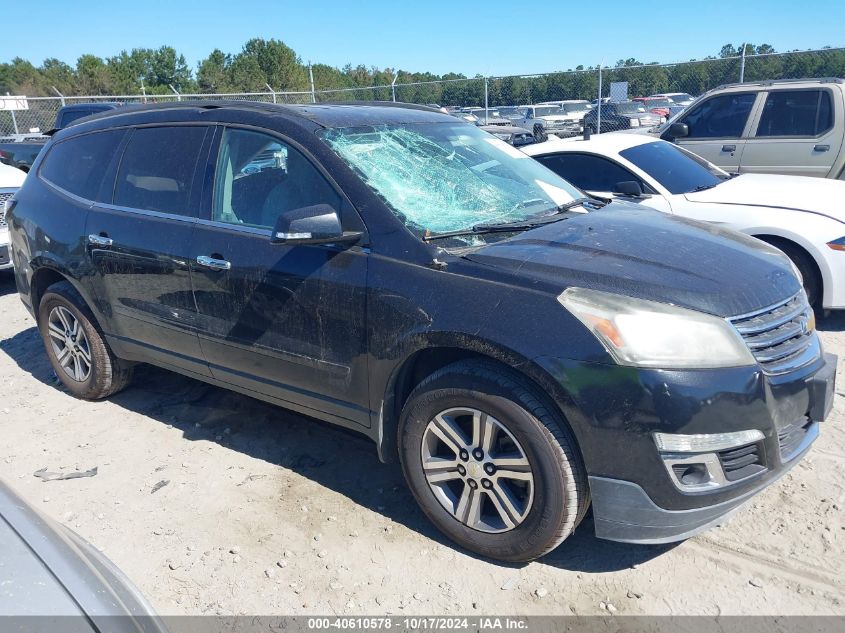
[
  {"x": 100, "y": 240},
  {"x": 728, "y": 148},
  {"x": 821, "y": 148},
  {"x": 213, "y": 264}
]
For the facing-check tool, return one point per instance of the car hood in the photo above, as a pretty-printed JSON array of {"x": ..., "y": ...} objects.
[
  {"x": 630, "y": 250},
  {"x": 800, "y": 193}
]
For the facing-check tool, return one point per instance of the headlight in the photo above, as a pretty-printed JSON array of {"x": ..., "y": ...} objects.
[
  {"x": 837, "y": 245},
  {"x": 635, "y": 123},
  {"x": 644, "y": 333}
]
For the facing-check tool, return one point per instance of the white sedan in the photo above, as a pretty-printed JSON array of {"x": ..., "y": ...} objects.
[
  {"x": 804, "y": 217},
  {"x": 11, "y": 178}
]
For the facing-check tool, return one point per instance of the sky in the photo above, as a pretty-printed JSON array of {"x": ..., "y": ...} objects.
[{"x": 488, "y": 37}]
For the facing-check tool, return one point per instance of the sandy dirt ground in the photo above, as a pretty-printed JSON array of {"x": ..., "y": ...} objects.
[{"x": 268, "y": 512}]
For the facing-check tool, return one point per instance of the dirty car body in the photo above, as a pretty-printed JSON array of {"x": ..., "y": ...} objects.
[{"x": 455, "y": 259}]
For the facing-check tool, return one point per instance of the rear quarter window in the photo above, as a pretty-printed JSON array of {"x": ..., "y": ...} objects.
[{"x": 78, "y": 164}]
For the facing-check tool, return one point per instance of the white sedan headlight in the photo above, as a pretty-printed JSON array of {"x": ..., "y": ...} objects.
[{"x": 643, "y": 333}]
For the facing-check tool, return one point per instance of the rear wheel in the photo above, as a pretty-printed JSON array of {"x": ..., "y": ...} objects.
[
  {"x": 490, "y": 464},
  {"x": 76, "y": 348}
]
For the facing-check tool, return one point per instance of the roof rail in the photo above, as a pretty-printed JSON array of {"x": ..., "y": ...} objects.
[{"x": 775, "y": 82}]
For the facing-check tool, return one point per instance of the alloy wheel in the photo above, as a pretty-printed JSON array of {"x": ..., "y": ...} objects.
[
  {"x": 70, "y": 344},
  {"x": 477, "y": 470}
]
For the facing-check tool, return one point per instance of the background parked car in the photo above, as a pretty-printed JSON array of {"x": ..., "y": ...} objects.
[
  {"x": 53, "y": 579},
  {"x": 490, "y": 116},
  {"x": 792, "y": 127},
  {"x": 622, "y": 115},
  {"x": 516, "y": 136},
  {"x": 679, "y": 100},
  {"x": 660, "y": 106},
  {"x": 546, "y": 120},
  {"x": 803, "y": 217},
  {"x": 20, "y": 150},
  {"x": 11, "y": 179}
]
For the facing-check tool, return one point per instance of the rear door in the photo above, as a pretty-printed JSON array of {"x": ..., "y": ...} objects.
[
  {"x": 719, "y": 127},
  {"x": 139, "y": 245},
  {"x": 794, "y": 133},
  {"x": 286, "y": 321}
]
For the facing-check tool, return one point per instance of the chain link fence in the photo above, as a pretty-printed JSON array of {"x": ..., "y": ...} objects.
[{"x": 611, "y": 84}]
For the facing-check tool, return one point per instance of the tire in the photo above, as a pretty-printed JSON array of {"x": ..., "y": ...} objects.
[
  {"x": 540, "y": 134},
  {"x": 548, "y": 508},
  {"x": 592, "y": 129},
  {"x": 808, "y": 269},
  {"x": 90, "y": 370}
]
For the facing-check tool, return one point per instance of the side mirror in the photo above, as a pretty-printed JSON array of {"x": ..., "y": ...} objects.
[
  {"x": 677, "y": 130},
  {"x": 629, "y": 188},
  {"x": 317, "y": 224}
]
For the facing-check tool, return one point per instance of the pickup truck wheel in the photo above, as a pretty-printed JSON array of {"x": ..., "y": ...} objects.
[
  {"x": 75, "y": 346},
  {"x": 540, "y": 134},
  {"x": 490, "y": 465}
]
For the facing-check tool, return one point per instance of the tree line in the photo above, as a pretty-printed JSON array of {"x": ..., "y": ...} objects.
[{"x": 262, "y": 63}]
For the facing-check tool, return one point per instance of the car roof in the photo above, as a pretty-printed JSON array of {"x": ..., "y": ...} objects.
[
  {"x": 608, "y": 143},
  {"x": 327, "y": 115}
]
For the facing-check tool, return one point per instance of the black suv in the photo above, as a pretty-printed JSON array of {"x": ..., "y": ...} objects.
[{"x": 396, "y": 271}]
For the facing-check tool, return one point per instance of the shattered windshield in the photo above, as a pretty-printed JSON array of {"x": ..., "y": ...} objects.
[{"x": 440, "y": 177}]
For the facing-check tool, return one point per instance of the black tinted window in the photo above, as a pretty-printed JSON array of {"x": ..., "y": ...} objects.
[
  {"x": 78, "y": 164},
  {"x": 157, "y": 169},
  {"x": 796, "y": 113},
  {"x": 720, "y": 117},
  {"x": 590, "y": 173},
  {"x": 674, "y": 168}
]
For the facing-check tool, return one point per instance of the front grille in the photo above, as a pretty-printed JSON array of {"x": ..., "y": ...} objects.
[
  {"x": 790, "y": 438},
  {"x": 742, "y": 462},
  {"x": 3, "y": 198},
  {"x": 782, "y": 338}
]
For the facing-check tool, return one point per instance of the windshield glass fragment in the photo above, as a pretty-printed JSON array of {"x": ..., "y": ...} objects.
[{"x": 440, "y": 177}]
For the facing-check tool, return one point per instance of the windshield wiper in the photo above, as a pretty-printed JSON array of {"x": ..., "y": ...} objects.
[
  {"x": 510, "y": 227},
  {"x": 706, "y": 187}
]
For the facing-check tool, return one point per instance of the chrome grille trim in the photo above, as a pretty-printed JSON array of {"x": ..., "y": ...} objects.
[
  {"x": 778, "y": 336},
  {"x": 4, "y": 195}
]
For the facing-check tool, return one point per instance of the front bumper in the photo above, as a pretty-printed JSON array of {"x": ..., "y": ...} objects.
[
  {"x": 636, "y": 498},
  {"x": 5, "y": 249}
]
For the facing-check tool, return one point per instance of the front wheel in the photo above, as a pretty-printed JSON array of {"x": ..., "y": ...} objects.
[
  {"x": 540, "y": 134},
  {"x": 490, "y": 464}
]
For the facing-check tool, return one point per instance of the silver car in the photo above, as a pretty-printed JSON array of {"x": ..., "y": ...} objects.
[{"x": 54, "y": 580}]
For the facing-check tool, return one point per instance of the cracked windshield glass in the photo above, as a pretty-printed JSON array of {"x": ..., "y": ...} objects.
[{"x": 440, "y": 177}]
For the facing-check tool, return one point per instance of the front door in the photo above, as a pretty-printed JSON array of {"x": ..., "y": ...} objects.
[
  {"x": 284, "y": 321},
  {"x": 718, "y": 128},
  {"x": 139, "y": 246}
]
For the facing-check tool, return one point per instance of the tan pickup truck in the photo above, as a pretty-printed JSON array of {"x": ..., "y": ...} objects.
[{"x": 791, "y": 126}]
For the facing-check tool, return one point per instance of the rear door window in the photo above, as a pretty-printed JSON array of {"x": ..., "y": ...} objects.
[
  {"x": 723, "y": 116},
  {"x": 158, "y": 169},
  {"x": 78, "y": 164},
  {"x": 796, "y": 113}
]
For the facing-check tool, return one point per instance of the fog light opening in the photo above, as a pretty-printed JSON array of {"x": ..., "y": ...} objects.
[{"x": 694, "y": 475}]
